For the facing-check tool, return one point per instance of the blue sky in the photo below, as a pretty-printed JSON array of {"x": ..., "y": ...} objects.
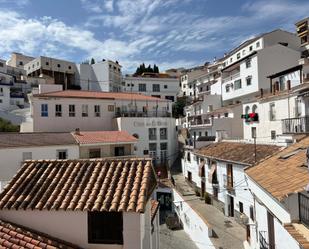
[{"x": 170, "y": 33}]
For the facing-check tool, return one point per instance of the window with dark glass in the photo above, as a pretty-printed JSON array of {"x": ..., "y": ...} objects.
[
  {"x": 58, "y": 112},
  {"x": 94, "y": 153},
  {"x": 163, "y": 133},
  {"x": 105, "y": 228},
  {"x": 142, "y": 87},
  {"x": 71, "y": 110},
  {"x": 44, "y": 110},
  {"x": 62, "y": 154},
  {"x": 97, "y": 111},
  {"x": 156, "y": 88}
]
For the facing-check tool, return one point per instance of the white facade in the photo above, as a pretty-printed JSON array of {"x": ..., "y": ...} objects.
[
  {"x": 11, "y": 158},
  {"x": 162, "y": 87},
  {"x": 86, "y": 117},
  {"x": 5, "y": 98},
  {"x": 246, "y": 69},
  {"x": 188, "y": 81},
  {"x": 72, "y": 226},
  {"x": 102, "y": 76},
  {"x": 157, "y": 137}
]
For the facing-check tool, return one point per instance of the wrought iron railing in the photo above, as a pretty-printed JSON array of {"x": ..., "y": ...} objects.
[
  {"x": 263, "y": 240},
  {"x": 296, "y": 125},
  {"x": 303, "y": 200}
]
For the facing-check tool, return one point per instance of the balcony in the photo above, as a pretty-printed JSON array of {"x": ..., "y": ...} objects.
[
  {"x": 198, "y": 123},
  {"x": 231, "y": 77},
  {"x": 295, "y": 125},
  {"x": 143, "y": 114},
  {"x": 263, "y": 241}
]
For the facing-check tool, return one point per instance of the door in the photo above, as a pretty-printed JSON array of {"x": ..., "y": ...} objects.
[
  {"x": 229, "y": 173},
  {"x": 230, "y": 206},
  {"x": 271, "y": 230},
  {"x": 119, "y": 151}
]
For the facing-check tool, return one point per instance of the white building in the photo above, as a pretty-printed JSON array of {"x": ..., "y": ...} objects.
[
  {"x": 245, "y": 69},
  {"x": 280, "y": 217},
  {"x": 19, "y": 60},
  {"x": 95, "y": 204},
  {"x": 218, "y": 169},
  {"x": 102, "y": 76},
  {"x": 156, "y": 85}
]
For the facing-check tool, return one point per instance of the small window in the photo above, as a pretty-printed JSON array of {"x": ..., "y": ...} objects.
[
  {"x": 136, "y": 135},
  {"x": 58, "y": 65},
  {"x": 226, "y": 115},
  {"x": 258, "y": 44},
  {"x": 247, "y": 109},
  {"x": 152, "y": 147},
  {"x": 27, "y": 156},
  {"x": 163, "y": 133},
  {"x": 244, "y": 52},
  {"x": 156, "y": 88},
  {"x": 84, "y": 110},
  {"x": 47, "y": 63},
  {"x": 21, "y": 63},
  {"x": 227, "y": 88},
  {"x": 189, "y": 157},
  {"x": 105, "y": 228},
  {"x": 71, "y": 110},
  {"x": 97, "y": 111},
  {"x": 250, "y": 48},
  {"x": 58, "y": 111},
  {"x": 249, "y": 80},
  {"x": 70, "y": 67},
  {"x": 1, "y": 64},
  {"x": 272, "y": 112},
  {"x": 241, "y": 207},
  {"x": 252, "y": 213},
  {"x": 238, "y": 56},
  {"x": 94, "y": 153},
  {"x": 62, "y": 154},
  {"x": 111, "y": 108},
  {"x": 231, "y": 59},
  {"x": 44, "y": 110},
  {"x": 237, "y": 84},
  {"x": 165, "y": 86},
  {"x": 248, "y": 63},
  {"x": 163, "y": 146},
  {"x": 142, "y": 87}
]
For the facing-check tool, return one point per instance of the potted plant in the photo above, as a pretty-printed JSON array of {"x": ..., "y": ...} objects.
[{"x": 207, "y": 198}]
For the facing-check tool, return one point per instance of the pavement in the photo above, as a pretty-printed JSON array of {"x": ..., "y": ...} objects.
[
  {"x": 175, "y": 239},
  {"x": 229, "y": 234}
]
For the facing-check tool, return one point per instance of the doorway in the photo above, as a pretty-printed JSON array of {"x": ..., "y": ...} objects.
[
  {"x": 230, "y": 206},
  {"x": 119, "y": 151}
]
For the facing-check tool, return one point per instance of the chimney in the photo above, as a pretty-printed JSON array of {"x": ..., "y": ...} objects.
[{"x": 77, "y": 131}]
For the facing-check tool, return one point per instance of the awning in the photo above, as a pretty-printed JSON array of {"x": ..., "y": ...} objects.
[{"x": 211, "y": 172}]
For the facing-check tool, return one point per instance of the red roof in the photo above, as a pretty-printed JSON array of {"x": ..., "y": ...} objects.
[
  {"x": 99, "y": 95},
  {"x": 93, "y": 137}
]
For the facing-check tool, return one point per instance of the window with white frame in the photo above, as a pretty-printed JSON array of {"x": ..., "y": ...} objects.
[
  {"x": 71, "y": 110},
  {"x": 58, "y": 110},
  {"x": 62, "y": 154},
  {"x": 237, "y": 84},
  {"x": 84, "y": 110},
  {"x": 97, "y": 111},
  {"x": 44, "y": 110}
]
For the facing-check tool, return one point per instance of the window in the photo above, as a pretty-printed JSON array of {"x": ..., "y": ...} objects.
[
  {"x": 163, "y": 133},
  {"x": 69, "y": 67},
  {"x": 95, "y": 153},
  {"x": 71, "y": 110},
  {"x": 249, "y": 80},
  {"x": 152, "y": 133},
  {"x": 254, "y": 108},
  {"x": 241, "y": 207},
  {"x": 273, "y": 135},
  {"x": 244, "y": 52},
  {"x": 1, "y": 64},
  {"x": 62, "y": 154},
  {"x": 156, "y": 88},
  {"x": 226, "y": 114},
  {"x": 97, "y": 111},
  {"x": 105, "y": 228},
  {"x": 189, "y": 176},
  {"x": 165, "y": 86},
  {"x": 21, "y": 63},
  {"x": 44, "y": 110},
  {"x": 188, "y": 156},
  {"x": 248, "y": 63},
  {"x": 250, "y": 48},
  {"x": 237, "y": 84},
  {"x": 227, "y": 88},
  {"x": 27, "y": 156},
  {"x": 152, "y": 147},
  {"x": 1, "y": 91},
  {"x": 1, "y": 101},
  {"x": 163, "y": 146},
  {"x": 272, "y": 112},
  {"x": 46, "y": 63},
  {"x": 258, "y": 44},
  {"x": 231, "y": 59},
  {"x": 281, "y": 83},
  {"x": 84, "y": 110},
  {"x": 238, "y": 56},
  {"x": 111, "y": 108},
  {"x": 252, "y": 213},
  {"x": 58, "y": 110},
  {"x": 253, "y": 132},
  {"x": 58, "y": 65},
  {"x": 142, "y": 87}
]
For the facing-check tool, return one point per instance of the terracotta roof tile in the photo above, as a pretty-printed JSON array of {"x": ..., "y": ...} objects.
[
  {"x": 93, "y": 137},
  {"x": 285, "y": 172},
  {"x": 12, "y": 139},
  {"x": 99, "y": 95},
  {"x": 154, "y": 209},
  {"x": 15, "y": 236},
  {"x": 84, "y": 185},
  {"x": 242, "y": 153}
]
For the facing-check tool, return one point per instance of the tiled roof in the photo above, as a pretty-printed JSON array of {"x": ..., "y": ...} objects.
[
  {"x": 154, "y": 209},
  {"x": 285, "y": 172},
  {"x": 12, "y": 139},
  {"x": 18, "y": 237},
  {"x": 242, "y": 153},
  {"x": 81, "y": 185},
  {"x": 99, "y": 95},
  {"x": 297, "y": 235},
  {"x": 93, "y": 137}
]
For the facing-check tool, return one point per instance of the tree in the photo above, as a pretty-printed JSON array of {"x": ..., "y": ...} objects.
[
  {"x": 178, "y": 107},
  {"x": 92, "y": 61},
  {"x": 155, "y": 68},
  {"x": 7, "y": 126}
]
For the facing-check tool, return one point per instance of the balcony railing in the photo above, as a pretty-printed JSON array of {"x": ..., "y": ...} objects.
[
  {"x": 231, "y": 77},
  {"x": 263, "y": 241},
  {"x": 142, "y": 114},
  {"x": 199, "y": 123},
  {"x": 304, "y": 209},
  {"x": 296, "y": 125}
]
